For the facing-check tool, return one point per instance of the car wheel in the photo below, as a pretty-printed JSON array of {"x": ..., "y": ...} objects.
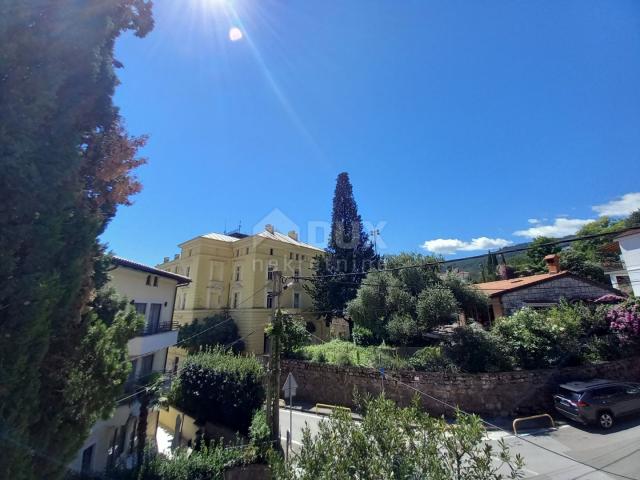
[{"x": 605, "y": 420}]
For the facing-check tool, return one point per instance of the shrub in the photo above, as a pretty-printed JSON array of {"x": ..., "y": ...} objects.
[
  {"x": 207, "y": 463},
  {"x": 402, "y": 329},
  {"x": 473, "y": 350},
  {"x": 432, "y": 359},
  {"x": 221, "y": 387},
  {"x": 392, "y": 442},
  {"x": 625, "y": 320},
  {"x": 436, "y": 306},
  {"x": 363, "y": 336},
  {"x": 218, "y": 329},
  {"x": 294, "y": 334},
  {"x": 537, "y": 339},
  {"x": 342, "y": 358}
]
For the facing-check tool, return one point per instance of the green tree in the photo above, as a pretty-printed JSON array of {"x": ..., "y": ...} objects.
[
  {"x": 219, "y": 329},
  {"x": 593, "y": 249},
  {"x": 349, "y": 251},
  {"x": 393, "y": 442},
  {"x": 577, "y": 262},
  {"x": 537, "y": 250},
  {"x": 294, "y": 334},
  {"x": 65, "y": 167},
  {"x": 633, "y": 220},
  {"x": 491, "y": 267}
]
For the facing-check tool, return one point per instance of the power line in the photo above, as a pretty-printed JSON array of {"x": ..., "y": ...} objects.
[{"x": 474, "y": 257}]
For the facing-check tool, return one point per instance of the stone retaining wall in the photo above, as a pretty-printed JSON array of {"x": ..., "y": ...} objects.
[{"x": 493, "y": 394}]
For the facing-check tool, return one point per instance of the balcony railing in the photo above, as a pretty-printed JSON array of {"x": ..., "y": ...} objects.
[{"x": 152, "y": 329}]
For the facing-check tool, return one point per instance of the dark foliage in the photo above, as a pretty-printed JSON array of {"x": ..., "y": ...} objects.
[{"x": 220, "y": 387}]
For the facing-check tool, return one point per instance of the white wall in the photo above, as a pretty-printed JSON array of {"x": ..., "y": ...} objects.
[
  {"x": 630, "y": 248},
  {"x": 130, "y": 284}
]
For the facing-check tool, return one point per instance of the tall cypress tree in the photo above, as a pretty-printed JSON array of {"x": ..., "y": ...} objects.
[
  {"x": 65, "y": 160},
  {"x": 349, "y": 252}
]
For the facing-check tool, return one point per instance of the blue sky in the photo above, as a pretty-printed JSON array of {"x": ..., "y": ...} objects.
[{"x": 456, "y": 120}]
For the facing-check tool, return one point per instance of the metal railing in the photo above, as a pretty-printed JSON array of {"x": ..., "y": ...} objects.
[{"x": 152, "y": 329}]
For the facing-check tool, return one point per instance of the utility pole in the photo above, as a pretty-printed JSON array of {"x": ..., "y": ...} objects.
[{"x": 273, "y": 365}]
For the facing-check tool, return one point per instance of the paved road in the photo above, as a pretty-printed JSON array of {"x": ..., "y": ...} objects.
[{"x": 617, "y": 451}]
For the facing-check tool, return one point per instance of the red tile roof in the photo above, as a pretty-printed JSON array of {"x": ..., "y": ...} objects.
[{"x": 501, "y": 286}]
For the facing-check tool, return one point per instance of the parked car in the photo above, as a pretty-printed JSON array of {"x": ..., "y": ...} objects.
[{"x": 598, "y": 401}]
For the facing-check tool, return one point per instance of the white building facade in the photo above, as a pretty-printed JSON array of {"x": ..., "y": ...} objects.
[
  {"x": 151, "y": 292},
  {"x": 630, "y": 251}
]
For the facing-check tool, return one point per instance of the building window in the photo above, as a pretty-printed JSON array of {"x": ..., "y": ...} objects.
[
  {"x": 237, "y": 252},
  {"x": 148, "y": 279},
  {"x": 296, "y": 300},
  {"x": 154, "y": 318},
  {"x": 146, "y": 367},
  {"x": 246, "y": 251},
  {"x": 269, "y": 272},
  {"x": 296, "y": 274},
  {"x": 297, "y": 256},
  {"x": 190, "y": 251},
  {"x": 236, "y": 300},
  {"x": 188, "y": 271},
  {"x": 290, "y": 255},
  {"x": 269, "y": 299},
  {"x": 302, "y": 257},
  {"x": 176, "y": 269},
  {"x": 184, "y": 301},
  {"x": 271, "y": 251},
  {"x": 155, "y": 281},
  {"x": 141, "y": 308},
  {"x": 238, "y": 273}
]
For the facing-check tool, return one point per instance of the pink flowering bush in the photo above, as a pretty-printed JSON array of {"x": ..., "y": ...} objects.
[{"x": 624, "y": 319}]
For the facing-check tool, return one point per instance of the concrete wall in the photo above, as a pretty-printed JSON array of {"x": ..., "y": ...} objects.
[
  {"x": 552, "y": 291},
  {"x": 494, "y": 394}
]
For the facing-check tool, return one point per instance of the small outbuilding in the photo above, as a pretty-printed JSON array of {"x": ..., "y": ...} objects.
[{"x": 540, "y": 291}]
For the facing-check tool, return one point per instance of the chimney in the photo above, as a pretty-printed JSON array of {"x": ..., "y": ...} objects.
[
  {"x": 176, "y": 256},
  {"x": 269, "y": 228},
  {"x": 166, "y": 259},
  {"x": 553, "y": 263},
  {"x": 293, "y": 234}
]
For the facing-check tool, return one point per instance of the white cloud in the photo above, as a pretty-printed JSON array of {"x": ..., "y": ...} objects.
[
  {"x": 620, "y": 207},
  {"x": 448, "y": 246},
  {"x": 533, "y": 221},
  {"x": 561, "y": 227}
]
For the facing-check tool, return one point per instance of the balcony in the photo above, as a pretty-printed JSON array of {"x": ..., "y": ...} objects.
[
  {"x": 151, "y": 339},
  {"x": 153, "y": 328}
]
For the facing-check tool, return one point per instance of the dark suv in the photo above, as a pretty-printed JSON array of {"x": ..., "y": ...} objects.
[{"x": 597, "y": 401}]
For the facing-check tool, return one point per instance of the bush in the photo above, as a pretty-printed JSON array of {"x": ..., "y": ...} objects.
[
  {"x": 220, "y": 387},
  {"x": 402, "y": 329},
  {"x": 432, "y": 359},
  {"x": 363, "y": 336},
  {"x": 474, "y": 350},
  {"x": 218, "y": 329},
  {"x": 436, "y": 306},
  {"x": 294, "y": 334},
  {"x": 400, "y": 443},
  {"x": 625, "y": 320},
  {"x": 537, "y": 339},
  {"x": 207, "y": 463}
]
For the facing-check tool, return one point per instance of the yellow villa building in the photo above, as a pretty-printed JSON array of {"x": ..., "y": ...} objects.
[{"x": 234, "y": 271}]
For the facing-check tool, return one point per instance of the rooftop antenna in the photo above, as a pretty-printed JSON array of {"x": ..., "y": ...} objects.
[
  {"x": 239, "y": 225},
  {"x": 225, "y": 226}
]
